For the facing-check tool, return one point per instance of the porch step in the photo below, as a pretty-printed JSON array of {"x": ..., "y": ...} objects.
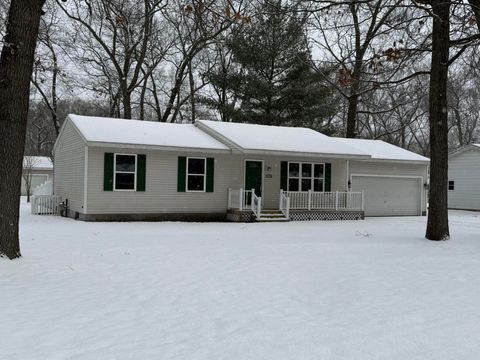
[{"x": 271, "y": 215}]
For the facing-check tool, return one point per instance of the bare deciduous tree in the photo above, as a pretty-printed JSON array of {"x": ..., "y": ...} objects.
[{"x": 29, "y": 164}]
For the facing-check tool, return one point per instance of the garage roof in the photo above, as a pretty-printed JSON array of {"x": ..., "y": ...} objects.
[
  {"x": 38, "y": 162},
  {"x": 464, "y": 148},
  {"x": 381, "y": 150}
]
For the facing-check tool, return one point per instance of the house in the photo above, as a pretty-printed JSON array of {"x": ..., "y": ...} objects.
[
  {"x": 39, "y": 169},
  {"x": 114, "y": 169},
  {"x": 464, "y": 178}
]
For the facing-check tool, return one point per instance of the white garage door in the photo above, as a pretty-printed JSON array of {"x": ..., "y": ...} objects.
[
  {"x": 389, "y": 196},
  {"x": 37, "y": 179}
]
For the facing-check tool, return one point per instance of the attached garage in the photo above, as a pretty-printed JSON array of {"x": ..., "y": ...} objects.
[
  {"x": 390, "y": 195},
  {"x": 393, "y": 180}
]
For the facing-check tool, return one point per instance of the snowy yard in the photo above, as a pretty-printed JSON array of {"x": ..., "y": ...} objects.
[{"x": 371, "y": 289}]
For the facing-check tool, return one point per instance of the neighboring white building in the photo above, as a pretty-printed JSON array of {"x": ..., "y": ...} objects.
[
  {"x": 464, "y": 178},
  {"x": 40, "y": 169},
  {"x": 115, "y": 169}
]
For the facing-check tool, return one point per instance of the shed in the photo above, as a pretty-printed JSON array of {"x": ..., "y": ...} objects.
[{"x": 464, "y": 178}]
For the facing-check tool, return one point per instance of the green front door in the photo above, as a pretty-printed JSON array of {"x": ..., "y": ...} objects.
[{"x": 253, "y": 177}]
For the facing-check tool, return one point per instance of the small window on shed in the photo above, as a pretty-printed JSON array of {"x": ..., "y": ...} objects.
[{"x": 451, "y": 185}]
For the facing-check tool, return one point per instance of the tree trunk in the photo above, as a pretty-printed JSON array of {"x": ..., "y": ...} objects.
[
  {"x": 126, "y": 102},
  {"x": 192, "y": 93},
  {"x": 352, "y": 115},
  {"x": 16, "y": 63},
  {"x": 437, "y": 224}
]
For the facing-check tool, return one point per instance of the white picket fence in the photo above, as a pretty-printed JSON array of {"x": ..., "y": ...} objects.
[
  {"x": 45, "y": 204},
  {"x": 337, "y": 200}
]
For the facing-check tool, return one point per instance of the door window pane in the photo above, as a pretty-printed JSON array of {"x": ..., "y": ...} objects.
[
  {"x": 293, "y": 185},
  {"x": 294, "y": 169}
]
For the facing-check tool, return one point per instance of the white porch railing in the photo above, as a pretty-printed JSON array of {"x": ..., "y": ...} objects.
[
  {"x": 244, "y": 200},
  {"x": 256, "y": 204},
  {"x": 311, "y": 200},
  {"x": 240, "y": 199},
  {"x": 284, "y": 204},
  {"x": 46, "y": 204}
]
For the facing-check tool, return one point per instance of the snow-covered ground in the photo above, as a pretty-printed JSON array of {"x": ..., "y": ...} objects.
[{"x": 371, "y": 289}]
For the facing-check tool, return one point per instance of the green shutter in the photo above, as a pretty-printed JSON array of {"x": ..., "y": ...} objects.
[
  {"x": 108, "y": 172},
  {"x": 284, "y": 175},
  {"x": 141, "y": 171},
  {"x": 181, "y": 173},
  {"x": 328, "y": 177},
  {"x": 210, "y": 174}
]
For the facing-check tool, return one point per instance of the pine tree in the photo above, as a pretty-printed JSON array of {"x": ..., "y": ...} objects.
[{"x": 270, "y": 79}]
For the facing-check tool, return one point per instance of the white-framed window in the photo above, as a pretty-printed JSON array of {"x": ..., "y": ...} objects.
[
  {"x": 125, "y": 172},
  {"x": 196, "y": 174},
  {"x": 306, "y": 176}
]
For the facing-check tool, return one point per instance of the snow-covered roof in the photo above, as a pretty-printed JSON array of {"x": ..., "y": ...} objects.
[
  {"x": 223, "y": 136},
  {"x": 461, "y": 150},
  {"x": 144, "y": 133},
  {"x": 381, "y": 150},
  {"x": 252, "y": 138},
  {"x": 37, "y": 162}
]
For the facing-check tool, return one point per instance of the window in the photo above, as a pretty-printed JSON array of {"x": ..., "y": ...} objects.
[
  {"x": 305, "y": 176},
  {"x": 125, "y": 172},
  {"x": 196, "y": 170},
  {"x": 451, "y": 185}
]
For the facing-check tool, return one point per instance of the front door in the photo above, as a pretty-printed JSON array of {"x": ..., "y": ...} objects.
[{"x": 253, "y": 177}]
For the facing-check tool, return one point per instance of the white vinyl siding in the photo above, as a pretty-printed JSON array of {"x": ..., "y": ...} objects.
[
  {"x": 464, "y": 170},
  {"x": 69, "y": 170},
  {"x": 161, "y": 194}
]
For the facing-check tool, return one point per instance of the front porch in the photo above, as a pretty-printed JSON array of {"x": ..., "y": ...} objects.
[{"x": 246, "y": 206}]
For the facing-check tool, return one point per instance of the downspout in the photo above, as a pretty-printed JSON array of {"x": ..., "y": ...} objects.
[{"x": 348, "y": 175}]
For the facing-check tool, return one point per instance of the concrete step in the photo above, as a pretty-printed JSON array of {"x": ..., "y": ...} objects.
[
  {"x": 271, "y": 219},
  {"x": 271, "y": 214}
]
